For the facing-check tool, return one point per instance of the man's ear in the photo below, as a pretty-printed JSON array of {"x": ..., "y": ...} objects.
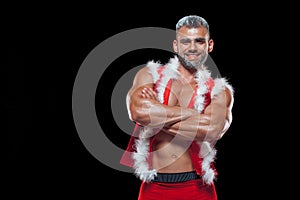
[
  {"x": 175, "y": 47},
  {"x": 210, "y": 45}
]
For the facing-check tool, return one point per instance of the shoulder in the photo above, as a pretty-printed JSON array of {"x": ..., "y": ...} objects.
[
  {"x": 222, "y": 88},
  {"x": 221, "y": 84}
]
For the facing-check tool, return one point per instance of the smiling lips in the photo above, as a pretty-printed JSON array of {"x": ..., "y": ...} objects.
[{"x": 192, "y": 56}]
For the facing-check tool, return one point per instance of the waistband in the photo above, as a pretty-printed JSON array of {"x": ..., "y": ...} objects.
[{"x": 176, "y": 177}]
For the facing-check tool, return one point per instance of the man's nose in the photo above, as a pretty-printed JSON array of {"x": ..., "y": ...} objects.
[{"x": 193, "y": 46}]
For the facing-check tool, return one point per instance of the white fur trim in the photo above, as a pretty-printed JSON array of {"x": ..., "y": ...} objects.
[
  {"x": 153, "y": 69},
  {"x": 201, "y": 77},
  {"x": 141, "y": 165},
  {"x": 208, "y": 154},
  {"x": 206, "y": 151},
  {"x": 170, "y": 72},
  {"x": 220, "y": 84}
]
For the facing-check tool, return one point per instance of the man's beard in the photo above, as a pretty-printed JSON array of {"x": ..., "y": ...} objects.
[{"x": 190, "y": 65}]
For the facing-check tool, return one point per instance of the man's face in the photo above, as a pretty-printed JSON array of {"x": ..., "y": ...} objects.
[{"x": 193, "y": 45}]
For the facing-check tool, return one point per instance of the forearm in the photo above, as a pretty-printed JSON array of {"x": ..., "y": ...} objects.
[
  {"x": 152, "y": 113},
  {"x": 197, "y": 127},
  {"x": 209, "y": 126},
  {"x": 200, "y": 132}
]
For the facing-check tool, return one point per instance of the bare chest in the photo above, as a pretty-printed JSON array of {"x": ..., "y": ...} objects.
[{"x": 181, "y": 93}]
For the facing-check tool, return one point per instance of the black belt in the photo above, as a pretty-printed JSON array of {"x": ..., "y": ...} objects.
[{"x": 176, "y": 177}]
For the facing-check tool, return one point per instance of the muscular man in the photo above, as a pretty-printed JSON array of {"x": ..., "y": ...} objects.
[{"x": 180, "y": 113}]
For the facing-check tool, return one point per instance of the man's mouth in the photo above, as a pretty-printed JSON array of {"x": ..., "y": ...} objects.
[{"x": 192, "y": 56}]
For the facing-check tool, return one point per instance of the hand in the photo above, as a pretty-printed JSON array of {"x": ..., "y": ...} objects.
[{"x": 149, "y": 93}]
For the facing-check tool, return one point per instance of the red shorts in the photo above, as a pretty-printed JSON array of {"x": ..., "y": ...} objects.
[{"x": 188, "y": 190}]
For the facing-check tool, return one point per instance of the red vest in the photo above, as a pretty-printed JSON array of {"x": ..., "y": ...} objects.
[{"x": 127, "y": 159}]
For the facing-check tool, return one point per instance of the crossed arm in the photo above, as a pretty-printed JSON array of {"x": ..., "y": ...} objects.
[{"x": 144, "y": 108}]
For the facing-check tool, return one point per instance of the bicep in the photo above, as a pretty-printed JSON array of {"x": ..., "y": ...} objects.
[
  {"x": 219, "y": 112},
  {"x": 220, "y": 106},
  {"x": 141, "y": 80}
]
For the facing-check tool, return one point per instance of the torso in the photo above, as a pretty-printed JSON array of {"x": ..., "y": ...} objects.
[{"x": 171, "y": 154}]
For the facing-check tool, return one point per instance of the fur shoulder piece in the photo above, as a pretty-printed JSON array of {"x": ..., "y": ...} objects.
[{"x": 220, "y": 84}]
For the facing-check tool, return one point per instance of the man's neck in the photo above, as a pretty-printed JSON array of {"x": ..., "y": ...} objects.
[{"x": 187, "y": 75}]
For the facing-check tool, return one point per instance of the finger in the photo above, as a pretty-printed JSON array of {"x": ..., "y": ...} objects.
[
  {"x": 150, "y": 92},
  {"x": 154, "y": 94},
  {"x": 145, "y": 93}
]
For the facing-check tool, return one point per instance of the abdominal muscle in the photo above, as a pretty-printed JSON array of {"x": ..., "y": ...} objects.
[{"x": 171, "y": 154}]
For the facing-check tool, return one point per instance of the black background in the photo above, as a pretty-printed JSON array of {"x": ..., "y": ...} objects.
[{"x": 45, "y": 47}]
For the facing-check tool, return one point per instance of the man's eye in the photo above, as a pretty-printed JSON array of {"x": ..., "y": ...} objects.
[
  {"x": 185, "y": 42},
  {"x": 200, "y": 41}
]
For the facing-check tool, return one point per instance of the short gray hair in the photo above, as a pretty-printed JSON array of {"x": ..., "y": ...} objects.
[{"x": 192, "y": 21}]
